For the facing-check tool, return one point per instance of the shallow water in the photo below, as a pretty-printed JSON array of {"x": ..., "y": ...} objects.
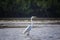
[{"x": 42, "y": 33}]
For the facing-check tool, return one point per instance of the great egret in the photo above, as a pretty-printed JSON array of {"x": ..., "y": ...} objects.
[{"x": 27, "y": 30}]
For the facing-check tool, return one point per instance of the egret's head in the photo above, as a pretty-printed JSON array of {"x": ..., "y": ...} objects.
[{"x": 33, "y": 17}]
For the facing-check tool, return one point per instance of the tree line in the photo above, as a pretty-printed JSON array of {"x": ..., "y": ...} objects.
[{"x": 28, "y": 8}]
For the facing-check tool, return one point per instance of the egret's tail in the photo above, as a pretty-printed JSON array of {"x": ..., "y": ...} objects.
[{"x": 24, "y": 31}]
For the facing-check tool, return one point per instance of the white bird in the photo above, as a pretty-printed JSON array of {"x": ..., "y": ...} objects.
[{"x": 27, "y": 30}]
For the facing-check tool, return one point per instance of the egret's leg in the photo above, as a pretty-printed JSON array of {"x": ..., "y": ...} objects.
[{"x": 27, "y": 33}]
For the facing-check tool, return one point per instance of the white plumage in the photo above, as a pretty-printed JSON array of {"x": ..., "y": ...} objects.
[{"x": 27, "y": 30}]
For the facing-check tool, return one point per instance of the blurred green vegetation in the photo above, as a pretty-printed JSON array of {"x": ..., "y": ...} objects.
[{"x": 27, "y": 8}]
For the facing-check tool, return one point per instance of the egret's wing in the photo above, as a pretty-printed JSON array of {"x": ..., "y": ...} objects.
[{"x": 27, "y": 29}]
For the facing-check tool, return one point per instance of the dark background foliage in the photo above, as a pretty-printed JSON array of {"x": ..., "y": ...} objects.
[{"x": 28, "y": 8}]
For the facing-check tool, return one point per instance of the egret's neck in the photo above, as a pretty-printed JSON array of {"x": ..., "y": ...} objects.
[{"x": 31, "y": 22}]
